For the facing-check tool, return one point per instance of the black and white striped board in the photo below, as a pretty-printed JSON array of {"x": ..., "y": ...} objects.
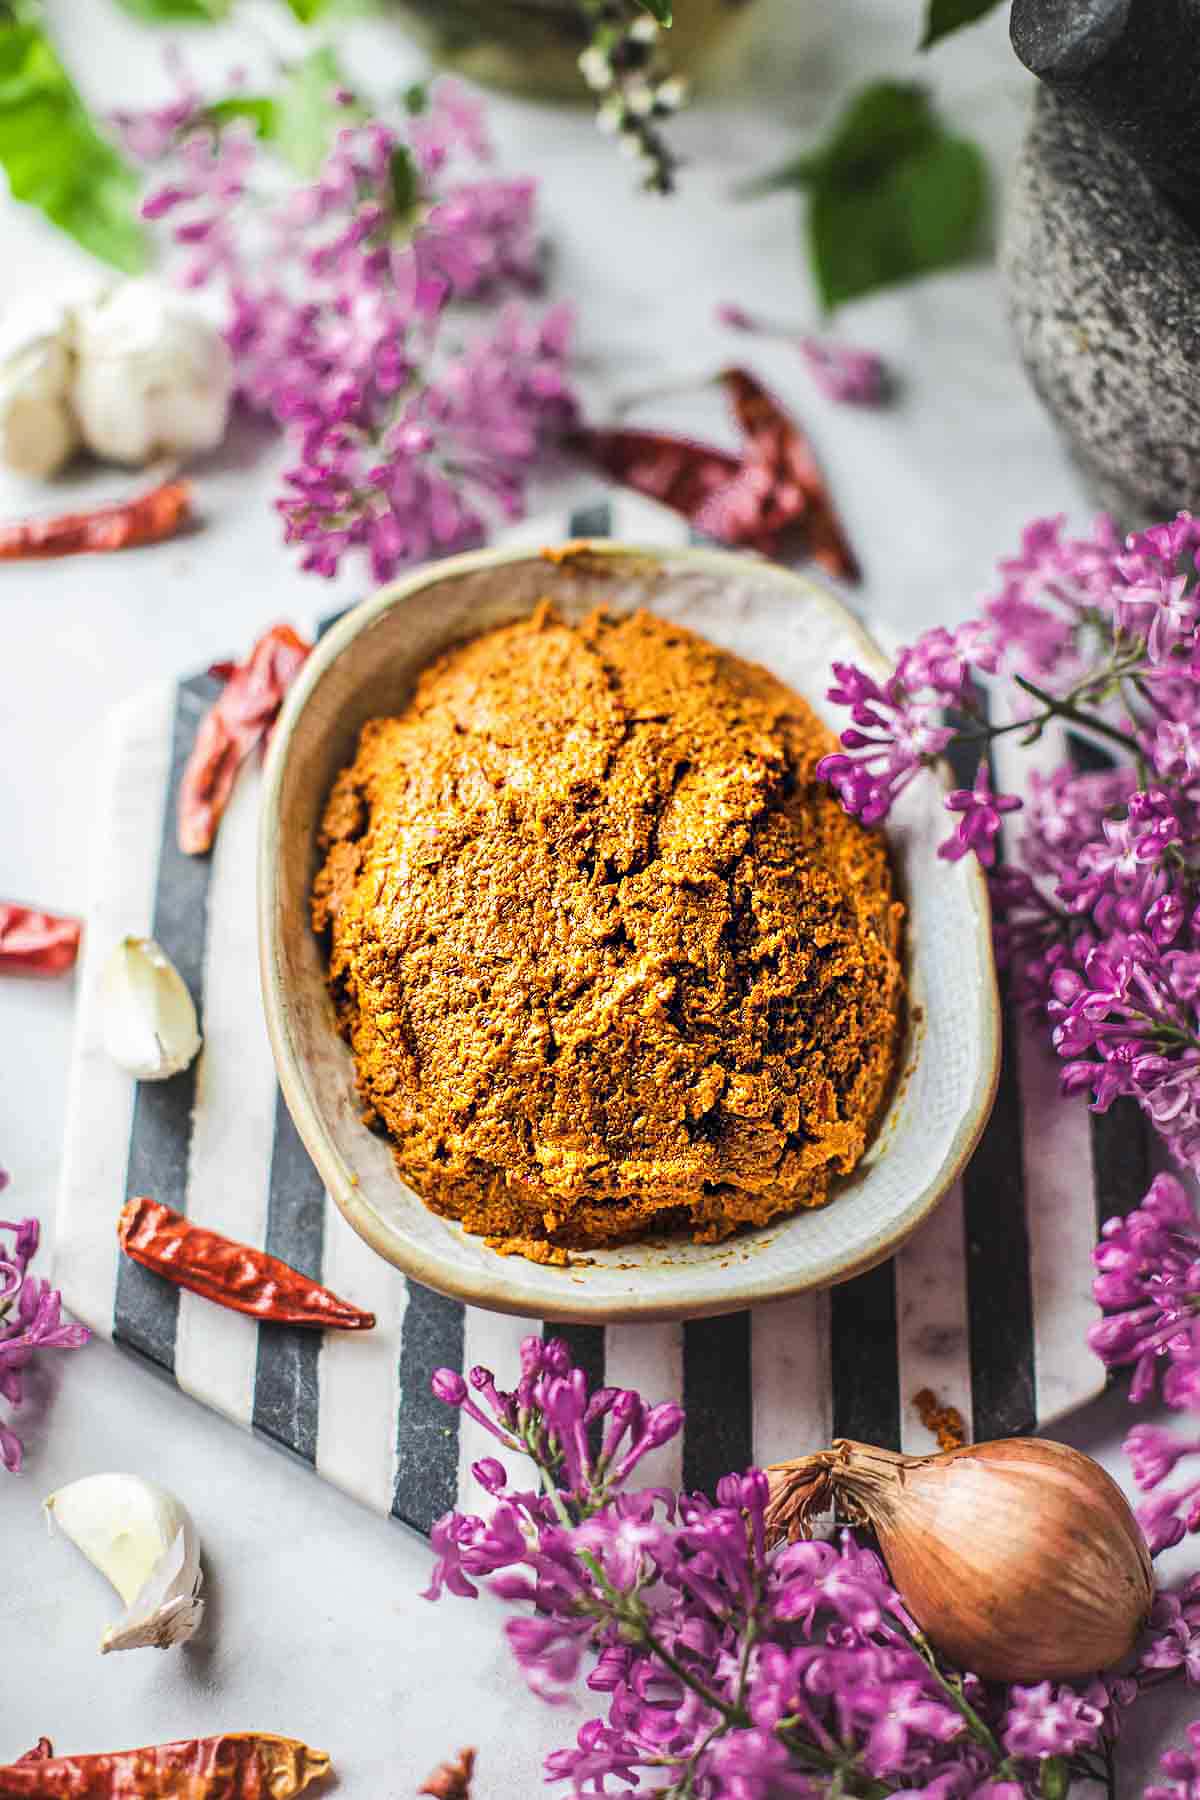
[{"x": 987, "y": 1304}]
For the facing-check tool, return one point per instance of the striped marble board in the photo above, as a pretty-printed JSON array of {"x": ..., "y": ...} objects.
[{"x": 988, "y": 1304}]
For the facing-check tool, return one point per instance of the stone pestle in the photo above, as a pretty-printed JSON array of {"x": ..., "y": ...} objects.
[
  {"x": 1132, "y": 67},
  {"x": 1101, "y": 242}
]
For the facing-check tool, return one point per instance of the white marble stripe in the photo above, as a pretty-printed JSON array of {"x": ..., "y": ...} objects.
[
  {"x": 229, "y": 1168},
  {"x": 931, "y": 1321},
  {"x": 493, "y": 1340},
  {"x": 359, "y": 1371},
  {"x": 650, "y": 1359},
  {"x": 1060, "y": 1184},
  {"x": 124, "y": 868},
  {"x": 1061, "y": 1211},
  {"x": 636, "y": 519},
  {"x": 793, "y": 1393}
]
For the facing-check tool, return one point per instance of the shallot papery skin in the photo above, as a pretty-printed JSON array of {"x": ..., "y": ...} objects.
[{"x": 1020, "y": 1559}]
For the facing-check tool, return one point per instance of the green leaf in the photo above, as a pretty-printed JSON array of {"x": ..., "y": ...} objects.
[
  {"x": 405, "y": 182},
  {"x": 306, "y": 112},
  {"x": 893, "y": 193},
  {"x": 179, "y": 12},
  {"x": 658, "y": 9},
  {"x": 945, "y": 16},
  {"x": 881, "y": 123},
  {"x": 259, "y": 109},
  {"x": 307, "y": 10},
  {"x": 54, "y": 157},
  {"x": 1055, "y": 1782},
  {"x": 415, "y": 97},
  {"x": 922, "y": 213}
]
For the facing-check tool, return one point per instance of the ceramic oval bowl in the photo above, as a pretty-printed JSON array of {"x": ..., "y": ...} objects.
[{"x": 367, "y": 665}]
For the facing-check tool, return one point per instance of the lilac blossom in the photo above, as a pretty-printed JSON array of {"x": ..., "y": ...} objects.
[
  {"x": 415, "y": 425},
  {"x": 30, "y": 1320},
  {"x": 726, "y": 1670},
  {"x": 1182, "y": 1771},
  {"x": 1097, "y": 910},
  {"x": 851, "y": 377}
]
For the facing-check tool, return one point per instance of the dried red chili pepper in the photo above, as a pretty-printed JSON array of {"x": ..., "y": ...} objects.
[
  {"x": 773, "y": 490},
  {"x": 36, "y": 943},
  {"x": 680, "y": 472},
  {"x": 231, "y": 1274},
  {"x": 781, "y": 482},
  {"x": 146, "y": 519},
  {"x": 238, "y": 1765},
  {"x": 239, "y": 719},
  {"x": 451, "y": 1780}
]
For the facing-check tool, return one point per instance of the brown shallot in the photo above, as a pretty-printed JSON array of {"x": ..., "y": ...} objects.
[{"x": 1020, "y": 1559}]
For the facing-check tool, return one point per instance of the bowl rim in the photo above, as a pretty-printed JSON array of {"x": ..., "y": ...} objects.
[{"x": 503, "y": 1289}]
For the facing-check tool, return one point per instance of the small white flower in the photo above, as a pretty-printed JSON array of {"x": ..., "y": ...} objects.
[
  {"x": 671, "y": 93},
  {"x": 644, "y": 29},
  {"x": 611, "y": 116},
  {"x": 631, "y": 146},
  {"x": 639, "y": 98},
  {"x": 596, "y": 69}
]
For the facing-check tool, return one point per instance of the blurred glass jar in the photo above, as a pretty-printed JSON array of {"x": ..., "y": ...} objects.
[{"x": 532, "y": 46}]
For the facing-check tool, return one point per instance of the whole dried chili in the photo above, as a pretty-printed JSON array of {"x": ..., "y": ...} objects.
[
  {"x": 146, "y": 519},
  {"x": 241, "y": 718},
  {"x": 238, "y": 1765},
  {"x": 679, "y": 472},
  {"x": 781, "y": 485},
  {"x": 758, "y": 500},
  {"x": 36, "y": 943},
  {"x": 230, "y": 1274},
  {"x": 451, "y": 1780}
]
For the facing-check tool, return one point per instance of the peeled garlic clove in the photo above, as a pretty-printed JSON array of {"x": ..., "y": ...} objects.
[
  {"x": 38, "y": 430},
  {"x": 142, "y": 1538},
  {"x": 153, "y": 376},
  {"x": 149, "y": 1019}
]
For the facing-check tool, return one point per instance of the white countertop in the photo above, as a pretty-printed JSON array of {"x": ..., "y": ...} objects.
[{"x": 316, "y": 1628}]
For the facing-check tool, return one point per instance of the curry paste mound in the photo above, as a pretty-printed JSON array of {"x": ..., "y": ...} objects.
[{"x": 609, "y": 958}]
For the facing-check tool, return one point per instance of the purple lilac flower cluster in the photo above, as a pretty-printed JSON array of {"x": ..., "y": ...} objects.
[
  {"x": 346, "y": 320},
  {"x": 30, "y": 1320},
  {"x": 729, "y": 1668},
  {"x": 1098, "y": 912}
]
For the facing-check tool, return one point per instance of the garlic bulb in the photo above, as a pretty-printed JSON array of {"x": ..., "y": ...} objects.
[
  {"x": 143, "y": 1539},
  {"x": 1020, "y": 1559},
  {"x": 153, "y": 376},
  {"x": 38, "y": 429},
  {"x": 148, "y": 1017}
]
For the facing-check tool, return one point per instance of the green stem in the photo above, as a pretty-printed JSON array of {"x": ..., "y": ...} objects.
[
  {"x": 975, "y": 1725},
  {"x": 1066, "y": 709}
]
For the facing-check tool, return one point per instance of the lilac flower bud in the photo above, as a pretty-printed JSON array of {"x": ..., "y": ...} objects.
[
  {"x": 448, "y": 1387},
  {"x": 490, "y": 1474}
]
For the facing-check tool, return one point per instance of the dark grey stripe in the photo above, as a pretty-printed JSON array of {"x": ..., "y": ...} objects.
[
  {"x": 146, "y": 1307},
  {"x": 286, "y": 1394},
  {"x": 717, "y": 1390},
  {"x": 863, "y": 1358},
  {"x": 1120, "y": 1158},
  {"x": 427, "y": 1431},
  {"x": 593, "y": 520},
  {"x": 586, "y": 1344},
  {"x": 999, "y": 1296},
  {"x": 1120, "y": 1137}
]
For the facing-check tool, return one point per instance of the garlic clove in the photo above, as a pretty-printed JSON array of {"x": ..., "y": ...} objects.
[
  {"x": 153, "y": 376},
  {"x": 38, "y": 429},
  {"x": 143, "y": 1539},
  {"x": 148, "y": 1015}
]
